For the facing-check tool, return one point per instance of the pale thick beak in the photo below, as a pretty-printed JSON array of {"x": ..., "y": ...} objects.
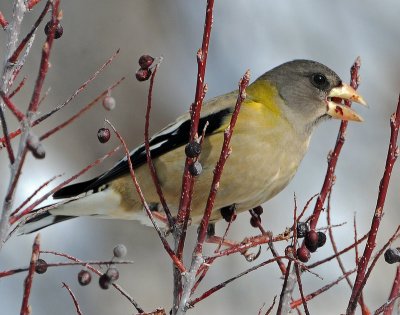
[{"x": 338, "y": 111}]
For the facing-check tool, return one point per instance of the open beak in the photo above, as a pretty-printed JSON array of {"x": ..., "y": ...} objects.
[{"x": 339, "y": 111}]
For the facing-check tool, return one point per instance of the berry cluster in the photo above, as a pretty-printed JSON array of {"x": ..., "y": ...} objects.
[
  {"x": 255, "y": 219},
  {"x": 312, "y": 241},
  {"x": 144, "y": 73},
  {"x": 193, "y": 150}
]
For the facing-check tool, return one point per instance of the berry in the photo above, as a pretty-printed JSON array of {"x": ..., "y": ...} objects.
[
  {"x": 120, "y": 250},
  {"x": 84, "y": 277},
  {"x": 303, "y": 254},
  {"x": 59, "y": 30},
  {"x": 392, "y": 255},
  {"x": 258, "y": 210},
  {"x": 103, "y": 134},
  {"x": 41, "y": 266},
  {"x": 195, "y": 168},
  {"x": 109, "y": 102},
  {"x": 301, "y": 229},
  {"x": 321, "y": 239},
  {"x": 35, "y": 146},
  {"x": 193, "y": 149},
  {"x": 112, "y": 273},
  {"x": 311, "y": 241},
  {"x": 145, "y": 61},
  {"x": 228, "y": 213},
  {"x": 104, "y": 281},
  {"x": 143, "y": 74},
  {"x": 255, "y": 221}
]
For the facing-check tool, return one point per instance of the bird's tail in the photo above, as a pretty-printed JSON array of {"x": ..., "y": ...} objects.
[{"x": 103, "y": 204}]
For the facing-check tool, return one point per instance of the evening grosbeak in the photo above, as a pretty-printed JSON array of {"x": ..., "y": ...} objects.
[{"x": 271, "y": 137}]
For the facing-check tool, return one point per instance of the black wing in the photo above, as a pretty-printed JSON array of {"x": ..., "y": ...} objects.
[{"x": 168, "y": 139}]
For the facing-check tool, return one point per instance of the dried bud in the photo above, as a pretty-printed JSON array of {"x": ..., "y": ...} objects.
[
  {"x": 35, "y": 146},
  {"x": 311, "y": 241},
  {"x": 195, "y": 168},
  {"x": 255, "y": 221},
  {"x": 103, "y": 135},
  {"x": 193, "y": 149},
  {"x": 228, "y": 213},
  {"x": 109, "y": 102},
  {"x": 321, "y": 239},
  {"x": 289, "y": 251},
  {"x": 59, "y": 30},
  {"x": 258, "y": 210},
  {"x": 120, "y": 251},
  {"x": 143, "y": 74},
  {"x": 84, "y": 277},
  {"x": 112, "y": 273},
  {"x": 303, "y": 254},
  {"x": 104, "y": 282},
  {"x": 41, "y": 266},
  {"x": 301, "y": 229},
  {"x": 145, "y": 61},
  {"x": 392, "y": 255}
]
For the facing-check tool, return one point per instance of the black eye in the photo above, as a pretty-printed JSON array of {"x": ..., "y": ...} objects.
[{"x": 319, "y": 81}]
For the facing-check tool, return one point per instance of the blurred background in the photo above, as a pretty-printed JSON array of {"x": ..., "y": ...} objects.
[{"x": 250, "y": 34}]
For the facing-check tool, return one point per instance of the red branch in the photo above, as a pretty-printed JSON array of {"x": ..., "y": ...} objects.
[
  {"x": 394, "y": 292},
  {"x": 29, "y": 278},
  {"x": 195, "y": 110},
  {"x": 334, "y": 155},
  {"x": 148, "y": 154},
  {"x": 32, "y": 3},
  {"x": 14, "y": 57},
  {"x": 303, "y": 299},
  {"x": 225, "y": 152},
  {"x": 177, "y": 262},
  {"x": 83, "y": 110},
  {"x": 3, "y": 21},
  {"x": 11, "y": 106},
  {"x": 18, "y": 88},
  {"x": 393, "y": 152},
  {"x": 78, "y": 309},
  {"x": 27, "y": 210}
]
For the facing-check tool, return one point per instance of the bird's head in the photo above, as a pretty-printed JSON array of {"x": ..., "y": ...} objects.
[{"x": 311, "y": 92}]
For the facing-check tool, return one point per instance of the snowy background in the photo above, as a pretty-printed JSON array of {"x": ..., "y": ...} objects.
[{"x": 247, "y": 34}]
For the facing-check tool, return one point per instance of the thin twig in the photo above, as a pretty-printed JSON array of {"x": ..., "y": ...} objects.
[
  {"x": 78, "y": 309},
  {"x": 303, "y": 299},
  {"x": 3, "y": 21},
  {"x": 394, "y": 293}
]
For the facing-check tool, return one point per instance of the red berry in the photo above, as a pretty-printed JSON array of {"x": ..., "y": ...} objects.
[
  {"x": 84, "y": 277},
  {"x": 311, "y": 241},
  {"x": 255, "y": 221},
  {"x": 59, "y": 30},
  {"x": 143, "y": 74},
  {"x": 145, "y": 61},
  {"x": 103, "y": 135},
  {"x": 321, "y": 239},
  {"x": 258, "y": 210},
  {"x": 303, "y": 254}
]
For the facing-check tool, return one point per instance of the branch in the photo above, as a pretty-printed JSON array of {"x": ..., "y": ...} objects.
[
  {"x": 3, "y": 21},
  {"x": 391, "y": 158},
  {"x": 78, "y": 309},
  {"x": 394, "y": 293}
]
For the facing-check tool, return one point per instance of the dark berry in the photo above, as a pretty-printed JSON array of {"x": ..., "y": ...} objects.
[
  {"x": 109, "y": 102},
  {"x": 255, "y": 221},
  {"x": 311, "y": 241},
  {"x": 145, "y": 61},
  {"x": 210, "y": 229},
  {"x": 143, "y": 74},
  {"x": 104, "y": 281},
  {"x": 195, "y": 168},
  {"x": 301, "y": 229},
  {"x": 59, "y": 30},
  {"x": 84, "y": 277},
  {"x": 120, "y": 251},
  {"x": 112, "y": 273},
  {"x": 35, "y": 146},
  {"x": 321, "y": 239},
  {"x": 193, "y": 149},
  {"x": 392, "y": 255},
  {"x": 258, "y": 210},
  {"x": 289, "y": 251},
  {"x": 228, "y": 213},
  {"x": 41, "y": 266},
  {"x": 303, "y": 254},
  {"x": 103, "y": 135}
]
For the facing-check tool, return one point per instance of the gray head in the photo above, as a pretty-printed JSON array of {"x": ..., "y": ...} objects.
[{"x": 307, "y": 88}]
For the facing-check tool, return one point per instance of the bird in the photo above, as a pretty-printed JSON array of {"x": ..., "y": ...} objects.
[{"x": 272, "y": 134}]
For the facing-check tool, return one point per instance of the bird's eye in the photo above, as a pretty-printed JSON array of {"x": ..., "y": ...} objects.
[{"x": 319, "y": 81}]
